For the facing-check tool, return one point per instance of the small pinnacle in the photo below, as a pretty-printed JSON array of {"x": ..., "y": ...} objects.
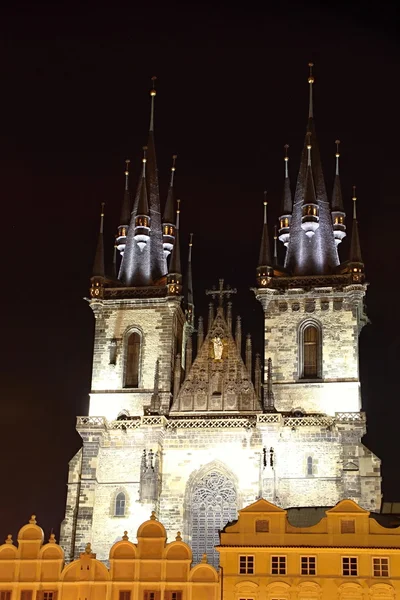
[
  {"x": 9, "y": 539},
  {"x": 88, "y": 548},
  {"x": 275, "y": 232},
  {"x": 354, "y": 203},
  {"x": 127, "y": 166},
  {"x": 311, "y": 81},
  {"x": 153, "y": 515},
  {"x": 153, "y": 90},
  {"x": 125, "y": 536},
  {"x": 178, "y": 536},
  {"x": 32, "y": 520},
  {"x": 191, "y": 240},
  {"x": 337, "y": 142},
  {"x": 311, "y": 77}
]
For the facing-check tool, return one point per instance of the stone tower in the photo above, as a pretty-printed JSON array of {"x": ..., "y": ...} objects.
[{"x": 196, "y": 436}]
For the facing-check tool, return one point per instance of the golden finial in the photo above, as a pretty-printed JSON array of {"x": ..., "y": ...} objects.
[
  {"x": 144, "y": 159},
  {"x": 311, "y": 76},
  {"x": 127, "y": 166},
  {"x": 178, "y": 212},
  {"x": 153, "y": 515},
  {"x": 178, "y": 536},
  {"x": 173, "y": 169},
  {"x": 125, "y": 536},
  {"x": 153, "y": 89},
  {"x": 88, "y": 548},
  {"x": 286, "y": 159},
  {"x": 354, "y": 198},
  {"x": 52, "y": 538},
  {"x": 32, "y": 520},
  {"x": 102, "y": 209},
  {"x": 204, "y": 558},
  {"x": 337, "y": 142},
  {"x": 265, "y": 206},
  {"x": 9, "y": 539},
  {"x": 309, "y": 148},
  {"x": 191, "y": 240}
]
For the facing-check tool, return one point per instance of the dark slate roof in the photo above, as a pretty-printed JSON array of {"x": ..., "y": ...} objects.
[
  {"x": 175, "y": 262},
  {"x": 287, "y": 203},
  {"x": 355, "y": 247},
  {"x": 168, "y": 216},
  {"x": 264, "y": 259},
  {"x": 317, "y": 255}
]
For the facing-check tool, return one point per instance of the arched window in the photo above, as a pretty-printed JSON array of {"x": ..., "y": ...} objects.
[
  {"x": 132, "y": 361},
  {"x": 310, "y": 352},
  {"x": 120, "y": 505},
  {"x": 309, "y": 465}
]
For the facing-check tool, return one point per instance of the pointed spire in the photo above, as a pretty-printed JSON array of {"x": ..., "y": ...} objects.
[
  {"x": 143, "y": 205},
  {"x": 125, "y": 213},
  {"x": 168, "y": 217},
  {"x": 98, "y": 274},
  {"x": 238, "y": 334},
  {"x": 338, "y": 214},
  {"x": 355, "y": 247},
  {"x": 174, "y": 278},
  {"x": 142, "y": 219},
  {"x": 200, "y": 334},
  {"x": 311, "y": 81},
  {"x": 310, "y": 213},
  {"x": 264, "y": 269},
  {"x": 189, "y": 286},
  {"x": 275, "y": 245},
  {"x": 153, "y": 94},
  {"x": 287, "y": 204}
]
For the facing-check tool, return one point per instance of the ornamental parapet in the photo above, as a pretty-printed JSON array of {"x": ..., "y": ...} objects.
[{"x": 220, "y": 421}]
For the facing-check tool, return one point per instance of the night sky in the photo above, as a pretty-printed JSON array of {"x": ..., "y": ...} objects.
[{"x": 231, "y": 91}]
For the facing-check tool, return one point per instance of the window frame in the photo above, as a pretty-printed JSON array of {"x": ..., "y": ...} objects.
[
  {"x": 308, "y": 574},
  {"x": 6, "y": 594},
  {"x": 121, "y": 594},
  {"x": 266, "y": 530},
  {"x": 279, "y": 557},
  {"x": 380, "y": 558},
  {"x": 247, "y": 556},
  {"x": 127, "y": 335},
  {"x": 116, "y": 514},
  {"x": 349, "y": 558},
  {"x": 301, "y": 330},
  {"x": 346, "y": 522}
]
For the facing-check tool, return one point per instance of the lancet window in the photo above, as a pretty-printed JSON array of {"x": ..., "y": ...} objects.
[
  {"x": 120, "y": 503},
  {"x": 132, "y": 360},
  {"x": 310, "y": 351}
]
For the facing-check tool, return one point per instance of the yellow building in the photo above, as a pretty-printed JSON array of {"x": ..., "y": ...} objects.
[
  {"x": 347, "y": 555},
  {"x": 150, "y": 569}
]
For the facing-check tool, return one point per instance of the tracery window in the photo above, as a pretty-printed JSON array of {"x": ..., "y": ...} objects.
[
  {"x": 213, "y": 505},
  {"x": 120, "y": 505},
  {"x": 132, "y": 361}
]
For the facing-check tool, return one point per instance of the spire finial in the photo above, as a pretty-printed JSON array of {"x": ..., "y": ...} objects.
[
  {"x": 190, "y": 247},
  {"x": 174, "y": 157},
  {"x": 152, "y": 94},
  {"x": 127, "y": 174},
  {"x": 337, "y": 142},
  {"x": 286, "y": 159},
  {"x": 102, "y": 217},
  {"x": 144, "y": 160},
  {"x": 309, "y": 148},
  {"x": 265, "y": 206},
  {"x": 275, "y": 244},
  {"x": 311, "y": 81},
  {"x": 354, "y": 203},
  {"x": 178, "y": 212}
]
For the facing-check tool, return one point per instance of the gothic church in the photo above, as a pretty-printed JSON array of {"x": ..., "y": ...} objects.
[{"x": 197, "y": 435}]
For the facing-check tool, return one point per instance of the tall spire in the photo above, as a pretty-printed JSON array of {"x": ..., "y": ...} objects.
[
  {"x": 275, "y": 245},
  {"x": 168, "y": 217},
  {"x": 174, "y": 278},
  {"x": 189, "y": 287},
  {"x": 125, "y": 213},
  {"x": 264, "y": 269},
  {"x": 98, "y": 273},
  {"x": 286, "y": 217},
  {"x": 142, "y": 219},
  {"x": 312, "y": 249},
  {"x": 145, "y": 265},
  {"x": 311, "y": 82},
  {"x": 355, "y": 259},
  {"x": 338, "y": 214}
]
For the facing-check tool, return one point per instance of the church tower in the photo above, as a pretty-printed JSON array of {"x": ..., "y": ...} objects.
[{"x": 186, "y": 425}]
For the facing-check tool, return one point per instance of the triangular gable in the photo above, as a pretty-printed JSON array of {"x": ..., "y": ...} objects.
[
  {"x": 347, "y": 506},
  {"x": 262, "y": 506},
  {"x": 218, "y": 380}
]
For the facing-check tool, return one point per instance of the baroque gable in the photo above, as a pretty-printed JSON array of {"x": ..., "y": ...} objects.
[{"x": 218, "y": 380}]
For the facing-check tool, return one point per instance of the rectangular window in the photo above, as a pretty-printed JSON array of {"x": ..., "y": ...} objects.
[
  {"x": 308, "y": 565},
  {"x": 262, "y": 526},
  {"x": 380, "y": 567},
  {"x": 49, "y": 595},
  {"x": 246, "y": 565},
  {"x": 174, "y": 596},
  {"x": 349, "y": 566},
  {"x": 278, "y": 565},
  {"x": 124, "y": 595},
  {"x": 5, "y": 595},
  {"x": 148, "y": 595},
  {"x": 347, "y": 526},
  {"x": 26, "y": 594}
]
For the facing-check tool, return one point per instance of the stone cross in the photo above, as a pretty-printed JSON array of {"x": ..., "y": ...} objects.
[{"x": 221, "y": 292}]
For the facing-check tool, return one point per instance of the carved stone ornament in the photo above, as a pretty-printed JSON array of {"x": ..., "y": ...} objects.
[
  {"x": 309, "y": 306},
  {"x": 295, "y": 306},
  {"x": 324, "y": 304}
]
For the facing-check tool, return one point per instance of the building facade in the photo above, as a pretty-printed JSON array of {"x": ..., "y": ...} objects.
[
  {"x": 343, "y": 554},
  {"x": 186, "y": 424}
]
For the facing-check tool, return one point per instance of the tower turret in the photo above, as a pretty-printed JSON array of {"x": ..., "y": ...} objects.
[
  {"x": 142, "y": 218},
  {"x": 125, "y": 214},
  {"x": 356, "y": 264},
  {"x": 287, "y": 205},
  {"x": 264, "y": 270},
  {"x": 174, "y": 277},
  {"x": 310, "y": 209},
  {"x": 338, "y": 214},
  {"x": 98, "y": 273},
  {"x": 168, "y": 217}
]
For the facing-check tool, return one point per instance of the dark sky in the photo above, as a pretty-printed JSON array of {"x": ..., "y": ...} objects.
[{"x": 232, "y": 90}]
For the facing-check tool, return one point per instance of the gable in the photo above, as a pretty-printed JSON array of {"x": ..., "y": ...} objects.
[
  {"x": 262, "y": 506},
  {"x": 347, "y": 506},
  {"x": 218, "y": 380}
]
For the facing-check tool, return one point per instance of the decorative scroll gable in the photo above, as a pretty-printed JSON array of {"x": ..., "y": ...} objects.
[{"x": 218, "y": 380}]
